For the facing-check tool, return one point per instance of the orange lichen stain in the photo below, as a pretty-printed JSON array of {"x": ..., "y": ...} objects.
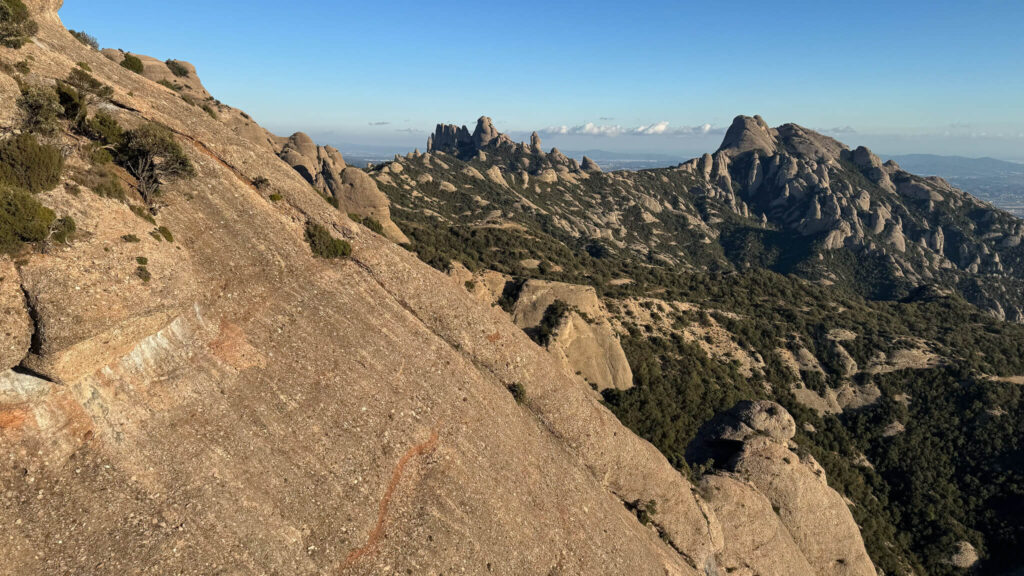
[
  {"x": 378, "y": 530},
  {"x": 12, "y": 418},
  {"x": 492, "y": 338},
  {"x": 231, "y": 347}
]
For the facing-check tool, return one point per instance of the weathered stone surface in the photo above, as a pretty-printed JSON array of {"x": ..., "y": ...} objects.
[
  {"x": 752, "y": 440},
  {"x": 15, "y": 324},
  {"x": 10, "y": 116},
  {"x": 746, "y": 134},
  {"x": 585, "y": 340},
  {"x": 356, "y": 192},
  {"x": 814, "y": 515},
  {"x": 756, "y": 542},
  {"x": 249, "y": 371}
]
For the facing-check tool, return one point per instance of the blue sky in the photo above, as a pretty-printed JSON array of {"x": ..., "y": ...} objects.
[{"x": 651, "y": 76}]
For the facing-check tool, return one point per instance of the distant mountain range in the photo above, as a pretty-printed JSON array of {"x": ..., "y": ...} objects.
[{"x": 996, "y": 181}]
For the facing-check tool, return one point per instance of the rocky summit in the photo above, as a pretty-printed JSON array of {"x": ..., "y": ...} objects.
[{"x": 224, "y": 351}]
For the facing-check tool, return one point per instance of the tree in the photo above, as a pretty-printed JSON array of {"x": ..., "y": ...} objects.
[
  {"x": 42, "y": 109},
  {"x": 151, "y": 154},
  {"x": 16, "y": 25},
  {"x": 87, "y": 39}
]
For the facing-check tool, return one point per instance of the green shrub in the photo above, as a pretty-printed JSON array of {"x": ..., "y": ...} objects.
[
  {"x": 27, "y": 164},
  {"x": 142, "y": 260},
  {"x": 16, "y": 24},
  {"x": 110, "y": 187},
  {"x": 324, "y": 245},
  {"x": 518, "y": 392},
  {"x": 64, "y": 229},
  {"x": 165, "y": 232},
  {"x": 209, "y": 110},
  {"x": 102, "y": 181},
  {"x": 177, "y": 68},
  {"x": 261, "y": 183},
  {"x": 22, "y": 67},
  {"x": 85, "y": 66},
  {"x": 131, "y": 238},
  {"x": 86, "y": 39},
  {"x": 74, "y": 108},
  {"x": 169, "y": 84},
  {"x": 545, "y": 331},
  {"x": 143, "y": 273},
  {"x": 276, "y": 197},
  {"x": 22, "y": 219},
  {"x": 367, "y": 221},
  {"x": 85, "y": 82},
  {"x": 132, "y": 63},
  {"x": 150, "y": 154},
  {"x": 104, "y": 129},
  {"x": 42, "y": 109},
  {"x": 143, "y": 213}
]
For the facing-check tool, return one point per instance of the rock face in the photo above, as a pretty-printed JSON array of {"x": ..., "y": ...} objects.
[
  {"x": 747, "y": 134},
  {"x": 808, "y": 184},
  {"x": 15, "y": 324},
  {"x": 325, "y": 169},
  {"x": 752, "y": 443},
  {"x": 756, "y": 541},
  {"x": 358, "y": 409},
  {"x": 584, "y": 339}
]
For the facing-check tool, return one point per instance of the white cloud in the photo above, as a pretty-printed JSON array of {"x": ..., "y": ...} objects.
[
  {"x": 653, "y": 129},
  {"x": 663, "y": 128}
]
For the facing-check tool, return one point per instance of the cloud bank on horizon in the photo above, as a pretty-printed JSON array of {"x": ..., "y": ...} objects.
[{"x": 663, "y": 128}]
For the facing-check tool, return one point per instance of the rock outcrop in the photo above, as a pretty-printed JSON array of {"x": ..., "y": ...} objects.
[
  {"x": 584, "y": 339},
  {"x": 355, "y": 192},
  {"x": 487, "y": 142},
  {"x": 811, "y": 185},
  {"x": 752, "y": 444}
]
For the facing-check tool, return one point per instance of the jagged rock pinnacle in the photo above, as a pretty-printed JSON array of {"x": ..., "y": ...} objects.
[{"x": 535, "y": 142}]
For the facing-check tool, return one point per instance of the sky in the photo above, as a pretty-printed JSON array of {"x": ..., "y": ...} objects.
[{"x": 637, "y": 77}]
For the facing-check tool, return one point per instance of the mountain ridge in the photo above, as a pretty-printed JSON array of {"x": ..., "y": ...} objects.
[{"x": 204, "y": 390}]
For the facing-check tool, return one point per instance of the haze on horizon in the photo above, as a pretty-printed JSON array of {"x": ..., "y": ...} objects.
[{"x": 649, "y": 77}]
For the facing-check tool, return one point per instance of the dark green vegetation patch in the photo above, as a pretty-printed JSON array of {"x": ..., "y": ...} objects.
[
  {"x": 324, "y": 245},
  {"x": 27, "y": 164},
  {"x": 16, "y": 24},
  {"x": 132, "y": 63}
]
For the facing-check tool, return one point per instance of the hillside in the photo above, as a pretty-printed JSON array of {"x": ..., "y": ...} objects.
[
  {"x": 785, "y": 267},
  {"x": 210, "y": 367}
]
